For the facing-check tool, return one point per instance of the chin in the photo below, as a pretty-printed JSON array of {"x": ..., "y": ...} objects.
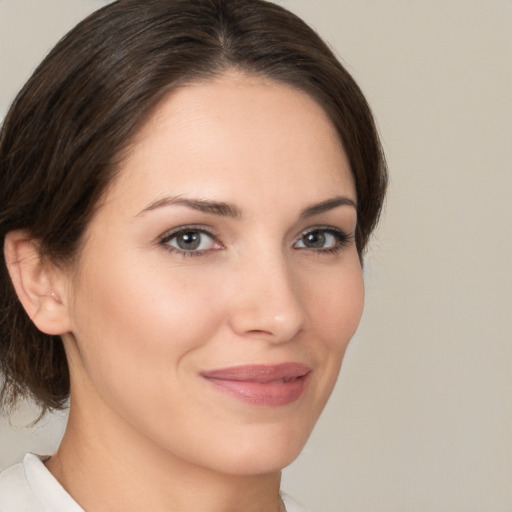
[
  {"x": 261, "y": 452},
  {"x": 249, "y": 463}
]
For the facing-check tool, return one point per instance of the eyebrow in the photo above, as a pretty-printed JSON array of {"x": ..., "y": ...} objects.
[
  {"x": 327, "y": 205},
  {"x": 230, "y": 210},
  {"x": 202, "y": 205}
]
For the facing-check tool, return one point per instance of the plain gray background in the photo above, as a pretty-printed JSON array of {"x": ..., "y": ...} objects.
[{"x": 421, "y": 419}]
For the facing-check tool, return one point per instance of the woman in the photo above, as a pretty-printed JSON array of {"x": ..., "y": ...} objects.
[{"x": 187, "y": 190}]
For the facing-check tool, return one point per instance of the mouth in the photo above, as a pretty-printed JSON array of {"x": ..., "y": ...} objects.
[{"x": 264, "y": 385}]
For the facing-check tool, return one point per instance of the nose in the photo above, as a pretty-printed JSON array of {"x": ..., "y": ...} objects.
[{"x": 267, "y": 301}]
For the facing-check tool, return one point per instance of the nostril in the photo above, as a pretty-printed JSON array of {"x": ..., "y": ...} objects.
[{"x": 257, "y": 332}]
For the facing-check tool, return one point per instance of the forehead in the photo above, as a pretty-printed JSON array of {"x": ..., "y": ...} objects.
[{"x": 237, "y": 136}]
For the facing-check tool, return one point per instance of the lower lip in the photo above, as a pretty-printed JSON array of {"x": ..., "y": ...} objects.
[{"x": 269, "y": 394}]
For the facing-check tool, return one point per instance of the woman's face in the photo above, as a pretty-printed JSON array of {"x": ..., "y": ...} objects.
[{"x": 219, "y": 282}]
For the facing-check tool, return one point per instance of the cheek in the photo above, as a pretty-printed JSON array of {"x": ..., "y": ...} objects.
[
  {"x": 335, "y": 305},
  {"x": 335, "y": 309},
  {"x": 135, "y": 329}
]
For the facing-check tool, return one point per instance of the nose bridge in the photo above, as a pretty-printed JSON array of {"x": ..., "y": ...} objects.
[{"x": 268, "y": 298}]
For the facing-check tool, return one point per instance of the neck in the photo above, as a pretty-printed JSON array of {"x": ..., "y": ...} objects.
[{"x": 105, "y": 464}]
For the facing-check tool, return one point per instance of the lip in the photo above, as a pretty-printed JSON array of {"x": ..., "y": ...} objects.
[{"x": 264, "y": 385}]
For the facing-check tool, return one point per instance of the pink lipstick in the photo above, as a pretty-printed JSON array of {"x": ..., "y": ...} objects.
[{"x": 267, "y": 385}]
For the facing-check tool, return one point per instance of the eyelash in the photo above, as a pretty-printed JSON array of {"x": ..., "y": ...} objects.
[
  {"x": 169, "y": 235},
  {"x": 342, "y": 239}
]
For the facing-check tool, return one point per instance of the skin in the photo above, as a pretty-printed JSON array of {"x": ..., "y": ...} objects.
[{"x": 143, "y": 318}]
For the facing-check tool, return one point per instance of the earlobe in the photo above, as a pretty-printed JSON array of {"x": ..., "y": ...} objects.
[{"x": 39, "y": 285}]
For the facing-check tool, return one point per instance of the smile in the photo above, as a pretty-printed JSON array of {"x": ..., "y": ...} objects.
[{"x": 264, "y": 385}]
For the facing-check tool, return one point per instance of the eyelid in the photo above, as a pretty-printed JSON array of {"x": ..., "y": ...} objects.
[
  {"x": 203, "y": 228},
  {"x": 343, "y": 238},
  {"x": 327, "y": 228},
  {"x": 168, "y": 235}
]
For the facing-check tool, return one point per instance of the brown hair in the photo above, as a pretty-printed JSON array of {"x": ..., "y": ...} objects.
[{"x": 70, "y": 123}]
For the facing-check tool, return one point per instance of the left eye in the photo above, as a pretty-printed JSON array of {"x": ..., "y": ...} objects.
[
  {"x": 321, "y": 239},
  {"x": 190, "y": 240}
]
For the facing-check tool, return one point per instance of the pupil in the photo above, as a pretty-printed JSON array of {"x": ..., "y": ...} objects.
[
  {"x": 189, "y": 240},
  {"x": 315, "y": 239}
]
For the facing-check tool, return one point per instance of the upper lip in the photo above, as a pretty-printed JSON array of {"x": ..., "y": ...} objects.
[{"x": 261, "y": 373}]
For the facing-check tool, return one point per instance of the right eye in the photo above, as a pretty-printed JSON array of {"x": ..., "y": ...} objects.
[{"x": 190, "y": 241}]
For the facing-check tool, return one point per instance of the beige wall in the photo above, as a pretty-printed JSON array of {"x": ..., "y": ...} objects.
[{"x": 422, "y": 417}]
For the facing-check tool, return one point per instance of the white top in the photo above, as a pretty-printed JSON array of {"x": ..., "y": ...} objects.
[{"x": 30, "y": 487}]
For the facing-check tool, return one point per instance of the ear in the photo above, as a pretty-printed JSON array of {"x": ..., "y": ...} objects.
[{"x": 40, "y": 286}]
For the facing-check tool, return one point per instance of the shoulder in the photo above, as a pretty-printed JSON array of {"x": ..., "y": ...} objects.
[
  {"x": 290, "y": 504},
  {"x": 30, "y": 487},
  {"x": 15, "y": 492}
]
